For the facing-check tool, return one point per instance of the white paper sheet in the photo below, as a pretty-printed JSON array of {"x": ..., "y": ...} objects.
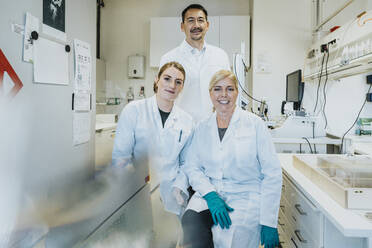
[
  {"x": 81, "y": 101},
  {"x": 81, "y": 127},
  {"x": 32, "y": 24},
  {"x": 50, "y": 62},
  {"x": 83, "y": 65}
]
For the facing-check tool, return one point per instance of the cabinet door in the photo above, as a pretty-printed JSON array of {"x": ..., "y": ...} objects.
[
  {"x": 234, "y": 30},
  {"x": 334, "y": 238},
  {"x": 165, "y": 34},
  {"x": 212, "y": 36}
]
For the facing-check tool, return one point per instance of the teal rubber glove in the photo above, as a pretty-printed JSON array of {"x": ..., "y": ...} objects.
[
  {"x": 269, "y": 237},
  {"x": 219, "y": 209}
]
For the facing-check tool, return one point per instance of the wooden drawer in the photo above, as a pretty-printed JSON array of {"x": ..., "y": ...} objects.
[
  {"x": 296, "y": 236},
  {"x": 303, "y": 213},
  {"x": 283, "y": 236},
  {"x": 283, "y": 239}
]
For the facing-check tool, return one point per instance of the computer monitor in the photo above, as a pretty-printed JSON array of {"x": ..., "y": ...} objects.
[{"x": 294, "y": 89}]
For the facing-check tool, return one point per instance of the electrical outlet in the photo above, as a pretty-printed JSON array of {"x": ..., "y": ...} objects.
[
  {"x": 369, "y": 79},
  {"x": 369, "y": 97},
  {"x": 332, "y": 42}
]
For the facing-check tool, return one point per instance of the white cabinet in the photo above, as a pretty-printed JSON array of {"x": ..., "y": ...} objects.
[
  {"x": 302, "y": 224},
  {"x": 165, "y": 34},
  {"x": 226, "y": 32},
  {"x": 234, "y": 30}
]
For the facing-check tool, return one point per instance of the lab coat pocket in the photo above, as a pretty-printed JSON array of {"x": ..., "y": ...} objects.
[
  {"x": 245, "y": 146},
  {"x": 174, "y": 141}
]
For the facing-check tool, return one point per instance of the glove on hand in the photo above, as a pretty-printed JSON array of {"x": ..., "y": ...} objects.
[
  {"x": 269, "y": 237},
  {"x": 219, "y": 209}
]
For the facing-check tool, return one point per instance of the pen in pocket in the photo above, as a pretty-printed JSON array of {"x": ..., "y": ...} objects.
[{"x": 179, "y": 139}]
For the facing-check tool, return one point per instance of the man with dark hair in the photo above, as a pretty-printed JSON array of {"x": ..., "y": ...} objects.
[
  {"x": 194, "y": 6},
  {"x": 200, "y": 60}
]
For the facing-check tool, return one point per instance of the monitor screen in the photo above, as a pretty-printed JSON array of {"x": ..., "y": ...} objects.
[{"x": 293, "y": 90}]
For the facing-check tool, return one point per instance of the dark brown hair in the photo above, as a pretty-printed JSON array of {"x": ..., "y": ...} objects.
[
  {"x": 174, "y": 64},
  {"x": 194, "y": 6}
]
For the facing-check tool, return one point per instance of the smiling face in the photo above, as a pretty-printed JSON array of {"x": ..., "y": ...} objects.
[
  {"x": 195, "y": 25},
  {"x": 170, "y": 84},
  {"x": 223, "y": 95}
]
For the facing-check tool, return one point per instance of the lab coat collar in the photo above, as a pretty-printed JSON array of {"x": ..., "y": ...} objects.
[
  {"x": 234, "y": 118},
  {"x": 172, "y": 118},
  {"x": 185, "y": 45}
]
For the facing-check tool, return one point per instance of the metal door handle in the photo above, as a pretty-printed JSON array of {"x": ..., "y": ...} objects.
[
  {"x": 299, "y": 236},
  {"x": 299, "y": 209},
  {"x": 294, "y": 242}
]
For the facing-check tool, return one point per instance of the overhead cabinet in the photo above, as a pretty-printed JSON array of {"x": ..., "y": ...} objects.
[{"x": 227, "y": 32}]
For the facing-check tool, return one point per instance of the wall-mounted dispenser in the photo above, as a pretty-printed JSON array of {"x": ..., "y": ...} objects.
[{"x": 136, "y": 66}]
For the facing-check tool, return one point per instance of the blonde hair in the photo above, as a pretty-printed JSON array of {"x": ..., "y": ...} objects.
[
  {"x": 174, "y": 64},
  {"x": 220, "y": 75}
]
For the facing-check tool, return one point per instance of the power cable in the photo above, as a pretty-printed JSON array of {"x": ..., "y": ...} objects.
[
  {"x": 245, "y": 67},
  {"x": 311, "y": 149},
  {"x": 324, "y": 91},
  {"x": 320, "y": 78},
  {"x": 343, "y": 136}
]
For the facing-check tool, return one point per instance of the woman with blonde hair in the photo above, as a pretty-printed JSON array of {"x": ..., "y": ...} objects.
[{"x": 233, "y": 167}]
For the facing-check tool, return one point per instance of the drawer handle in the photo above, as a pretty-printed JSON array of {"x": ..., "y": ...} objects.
[
  {"x": 299, "y": 236},
  {"x": 294, "y": 218},
  {"x": 299, "y": 209},
  {"x": 294, "y": 242}
]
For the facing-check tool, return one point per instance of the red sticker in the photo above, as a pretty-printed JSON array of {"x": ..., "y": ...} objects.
[{"x": 7, "y": 70}]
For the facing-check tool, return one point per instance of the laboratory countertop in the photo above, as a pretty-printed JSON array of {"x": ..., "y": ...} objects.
[
  {"x": 352, "y": 223},
  {"x": 100, "y": 126},
  {"x": 360, "y": 138},
  {"x": 363, "y": 148}
]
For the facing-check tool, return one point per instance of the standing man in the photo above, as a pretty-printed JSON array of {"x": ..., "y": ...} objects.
[{"x": 200, "y": 61}]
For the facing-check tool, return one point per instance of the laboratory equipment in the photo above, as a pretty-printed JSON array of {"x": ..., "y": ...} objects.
[
  {"x": 298, "y": 127},
  {"x": 346, "y": 179},
  {"x": 294, "y": 89},
  {"x": 130, "y": 94},
  {"x": 364, "y": 126},
  {"x": 136, "y": 66},
  {"x": 349, "y": 47},
  {"x": 141, "y": 94},
  {"x": 240, "y": 69},
  {"x": 292, "y": 134}
]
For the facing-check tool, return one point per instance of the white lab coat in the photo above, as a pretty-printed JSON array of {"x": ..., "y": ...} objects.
[
  {"x": 200, "y": 67},
  {"x": 243, "y": 169},
  {"x": 141, "y": 139}
]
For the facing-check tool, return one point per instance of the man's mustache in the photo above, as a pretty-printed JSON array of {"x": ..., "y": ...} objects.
[{"x": 196, "y": 29}]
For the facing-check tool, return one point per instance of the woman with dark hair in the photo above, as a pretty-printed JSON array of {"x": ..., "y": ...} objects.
[{"x": 154, "y": 132}]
